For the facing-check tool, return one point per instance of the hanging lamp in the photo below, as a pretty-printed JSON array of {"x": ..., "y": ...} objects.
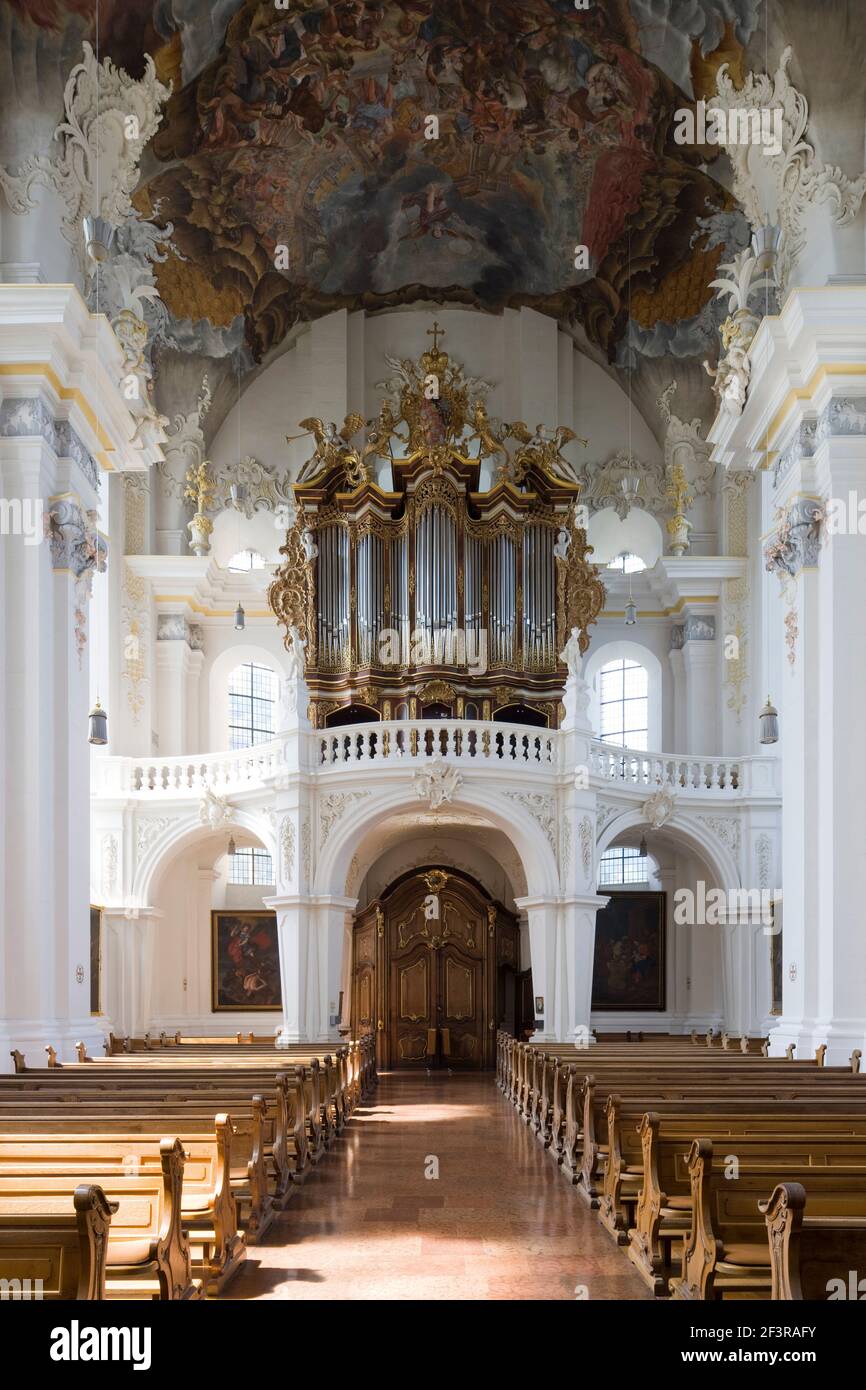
[
  {"x": 233, "y": 849},
  {"x": 769, "y": 722},
  {"x": 630, "y": 609},
  {"x": 630, "y": 483},
  {"x": 98, "y": 724},
  {"x": 240, "y": 618}
]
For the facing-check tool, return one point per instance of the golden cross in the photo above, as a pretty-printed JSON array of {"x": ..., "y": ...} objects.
[{"x": 435, "y": 331}]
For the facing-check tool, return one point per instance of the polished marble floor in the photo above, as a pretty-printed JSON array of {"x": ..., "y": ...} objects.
[{"x": 499, "y": 1221}]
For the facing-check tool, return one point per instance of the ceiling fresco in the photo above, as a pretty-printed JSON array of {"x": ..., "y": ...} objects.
[{"x": 294, "y": 165}]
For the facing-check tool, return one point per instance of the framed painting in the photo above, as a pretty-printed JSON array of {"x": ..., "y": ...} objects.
[
  {"x": 629, "y": 964},
  {"x": 95, "y": 960},
  {"x": 245, "y": 961},
  {"x": 776, "y": 962}
]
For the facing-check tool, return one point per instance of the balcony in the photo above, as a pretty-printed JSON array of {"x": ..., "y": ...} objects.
[{"x": 470, "y": 744}]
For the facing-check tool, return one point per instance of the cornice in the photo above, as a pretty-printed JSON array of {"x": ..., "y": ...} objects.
[{"x": 51, "y": 345}]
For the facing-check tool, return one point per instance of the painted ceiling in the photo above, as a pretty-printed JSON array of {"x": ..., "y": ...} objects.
[{"x": 294, "y": 165}]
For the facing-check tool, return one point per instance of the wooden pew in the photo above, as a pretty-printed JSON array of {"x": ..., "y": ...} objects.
[
  {"x": 360, "y": 1053},
  {"x": 727, "y": 1251},
  {"x": 633, "y": 1141},
  {"x": 251, "y": 1175},
  {"x": 769, "y": 1084},
  {"x": 57, "y": 1254},
  {"x": 330, "y": 1088},
  {"x": 259, "y": 1177},
  {"x": 147, "y": 1254},
  {"x": 222, "y": 1088},
  {"x": 663, "y": 1208},
  {"x": 813, "y": 1257},
  {"x": 208, "y": 1208}
]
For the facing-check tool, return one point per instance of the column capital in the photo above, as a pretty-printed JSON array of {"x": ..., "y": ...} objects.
[{"x": 590, "y": 901}]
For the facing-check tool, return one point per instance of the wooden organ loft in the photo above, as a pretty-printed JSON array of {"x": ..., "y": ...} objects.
[{"x": 416, "y": 593}]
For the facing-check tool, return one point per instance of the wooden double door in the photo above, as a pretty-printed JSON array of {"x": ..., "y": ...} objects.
[{"x": 431, "y": 961}]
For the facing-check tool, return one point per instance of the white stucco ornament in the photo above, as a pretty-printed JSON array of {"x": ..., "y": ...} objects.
[
  {"x": 437, "y": 782},
  {"x": 109, "y": 117},
  {"x": 214, "y": 810},
  {"x": 658, "y": 808}
]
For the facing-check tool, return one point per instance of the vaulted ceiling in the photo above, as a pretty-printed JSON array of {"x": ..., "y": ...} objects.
[{"x": 299, "y": 170}]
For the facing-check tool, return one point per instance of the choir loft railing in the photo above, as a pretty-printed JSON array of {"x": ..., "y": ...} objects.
[{"x": 467, "y": 742}]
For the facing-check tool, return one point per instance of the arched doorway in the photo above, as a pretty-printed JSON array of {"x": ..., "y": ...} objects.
[{"x": 434, "y": 960}]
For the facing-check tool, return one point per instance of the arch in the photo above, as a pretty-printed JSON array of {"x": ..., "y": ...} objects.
[
  {"x": 694, "y": 836},
  {"x": 625, "y": 649},
  {"x": 218, "y": 686},
  {"x": 450, "y": 853},
  {"x": 639, "y": 533},
  {"x": 507, "y": 814},
  {"x": 179, "y": 836}
]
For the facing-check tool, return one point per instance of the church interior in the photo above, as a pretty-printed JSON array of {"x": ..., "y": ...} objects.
[{"x": 431, "y": 440}]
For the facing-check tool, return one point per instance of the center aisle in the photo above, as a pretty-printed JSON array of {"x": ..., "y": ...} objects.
[{"x": 499, "y": 1222}]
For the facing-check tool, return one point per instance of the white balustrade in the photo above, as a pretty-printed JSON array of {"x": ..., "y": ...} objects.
[
  {"x": 458, "y": 740},
  {"x": 188, "y": 776},
  {"x": 469, "y": 743}
]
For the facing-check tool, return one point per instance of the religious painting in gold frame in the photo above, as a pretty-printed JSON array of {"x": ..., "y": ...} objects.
[{"x": 245, "y": 961}]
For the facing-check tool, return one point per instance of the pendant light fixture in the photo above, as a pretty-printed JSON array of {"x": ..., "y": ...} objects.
[
  {"x": 233, "y": 849},
  {"x": 240, "y": 617},
  {"x": 98, "y": 724},
  {"x": 769, "y": 722},
  {"x": 642, "y": 848},
  {"x": 630, "y": 609},
  {"x": 99, "y": 236},
  {"x": 630, "y": 483}
]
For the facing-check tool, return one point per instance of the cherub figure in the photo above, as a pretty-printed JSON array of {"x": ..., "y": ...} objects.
[
  {"x": 489, "y": 441},
  {"x": 380, "y": 432},
  {"x": 332, "y": 445}
]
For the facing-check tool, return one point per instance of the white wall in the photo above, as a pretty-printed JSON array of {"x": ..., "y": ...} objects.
[
  {"x": 194, "y": 883},
  {"x": 694, "y": 994}
]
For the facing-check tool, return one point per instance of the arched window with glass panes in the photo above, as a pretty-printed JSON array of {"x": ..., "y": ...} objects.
[
  {"x": 623, "y": 866},
  {"x": 623, "y": 703},
  {"x": 251, "y": 865},
  {"x": 252, "y": 705}
]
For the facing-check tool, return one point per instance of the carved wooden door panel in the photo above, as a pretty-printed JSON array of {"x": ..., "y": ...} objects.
[
  {"x": 364, "y": 1016},
  {"x": 413, "y": 1004},
  {"x": 460, "y": 1007}
]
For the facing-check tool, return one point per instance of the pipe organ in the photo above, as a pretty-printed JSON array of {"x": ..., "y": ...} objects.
[{"x": 438, "y": 568}]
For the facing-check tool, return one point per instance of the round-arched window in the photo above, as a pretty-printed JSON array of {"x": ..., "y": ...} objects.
[
  {"x": 623, "y": 703},
  {"x": 252, "y": 705}
]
